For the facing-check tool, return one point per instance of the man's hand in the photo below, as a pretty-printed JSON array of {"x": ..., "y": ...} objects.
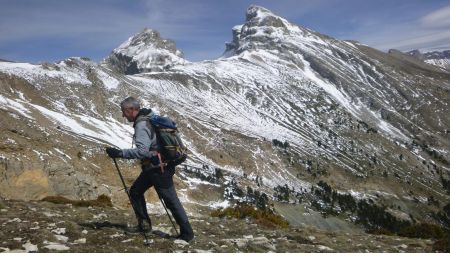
[{"x": 114, "y": 152}]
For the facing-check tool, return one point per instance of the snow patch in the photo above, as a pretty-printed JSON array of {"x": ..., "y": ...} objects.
[
  {"x": 107, "y": 80},
  {"x": 7, "y": 103},
  {"x": 107, "y": 131},
  {"x": 59, "y": 231},
  {"x": 33, "y": 73},
  {"x": 55, "y": 246}
]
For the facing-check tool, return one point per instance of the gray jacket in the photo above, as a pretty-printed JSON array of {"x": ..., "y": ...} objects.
[{"x": 144, "y": 138}]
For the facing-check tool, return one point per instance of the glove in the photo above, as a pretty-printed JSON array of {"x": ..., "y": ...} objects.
[
  {"x": 114, "y": 152},
  {"x": 154, "y": 160}
]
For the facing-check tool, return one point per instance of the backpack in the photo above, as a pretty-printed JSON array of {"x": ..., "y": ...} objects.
[{"x": 172, "y": 150}]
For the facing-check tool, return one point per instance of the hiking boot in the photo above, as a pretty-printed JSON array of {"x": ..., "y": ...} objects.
[
  {"x": 145, "y": 225},
  {"x": 186, "y": 232},
  {"x": 142, "y": 226},
  {"x": 185, "y": 237}
]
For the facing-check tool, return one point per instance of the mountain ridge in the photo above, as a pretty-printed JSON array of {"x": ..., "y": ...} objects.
[{"x": 437, "y": 58}]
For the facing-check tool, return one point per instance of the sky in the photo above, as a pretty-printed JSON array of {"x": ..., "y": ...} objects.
[{"x": 51, "y": 30}]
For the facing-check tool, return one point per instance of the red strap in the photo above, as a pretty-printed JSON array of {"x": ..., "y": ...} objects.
[{"x": 160, "y": 162}]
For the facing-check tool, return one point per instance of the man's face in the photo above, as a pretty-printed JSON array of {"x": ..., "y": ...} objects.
[{"x": 129, "y": 113}]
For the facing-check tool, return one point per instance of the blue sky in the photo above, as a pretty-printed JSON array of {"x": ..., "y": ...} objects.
[{"x": 51, "y": 30}]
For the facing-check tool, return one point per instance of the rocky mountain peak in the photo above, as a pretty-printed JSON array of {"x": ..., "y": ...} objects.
[
  {"x": 263, "y": 30},
  {"x": 416, "y": 53},
  {"x": 260, "y": 16},
  {"x": 146, "y": 37},
  {"x": 146, "y": 51}
]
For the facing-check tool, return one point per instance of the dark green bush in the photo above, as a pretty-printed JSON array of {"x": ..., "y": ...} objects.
[{"x": 423, "y": 230}]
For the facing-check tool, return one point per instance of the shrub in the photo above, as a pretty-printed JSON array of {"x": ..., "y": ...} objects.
[
  {"x": 373, "y": 216},
  {"x": 282, "y": 193},
  {"x": 379, "y": 231},
  {"x": 263, "y": 217},
  {"x": 280, "y": 144},
  {"x": 446, "y": 184},
  {"x": 442, "y": 245},
  {"x": 447, "y": 209},
  {"x": 423, "y": 230},
  {"x": 102, "y": 201},
  {"x": 218, "y": 173}
]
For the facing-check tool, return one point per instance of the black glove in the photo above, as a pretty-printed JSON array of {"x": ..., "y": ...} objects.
[
  {"x": 114, "y": 152},
  {"x": 154, "y": 160}
]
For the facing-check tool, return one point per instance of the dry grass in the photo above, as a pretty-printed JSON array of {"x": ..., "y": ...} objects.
[
  {"x": 101, "y": 201},
  {"x": 264, "y": 218}
]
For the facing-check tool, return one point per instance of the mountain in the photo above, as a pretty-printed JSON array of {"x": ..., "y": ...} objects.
[
  {"x": 144, "y": 52},
  {"x": 437, "y": 58},
  {"x": 332, "y": 127}
]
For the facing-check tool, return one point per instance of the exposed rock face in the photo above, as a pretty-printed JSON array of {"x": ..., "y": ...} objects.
[{"x": 144, "y": 52}]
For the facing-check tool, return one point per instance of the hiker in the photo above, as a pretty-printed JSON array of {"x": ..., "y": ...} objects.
[{"x": 152, "y": 173}]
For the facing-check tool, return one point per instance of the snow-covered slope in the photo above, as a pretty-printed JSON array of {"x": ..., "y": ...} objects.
[
  {"x": 443, "y": 63},
  {"x": 437, "y": 58}
]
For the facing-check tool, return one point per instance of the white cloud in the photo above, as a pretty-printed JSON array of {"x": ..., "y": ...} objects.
[
  {"x": 437, "y": 19},
  {"x": 427, "y": 32}
]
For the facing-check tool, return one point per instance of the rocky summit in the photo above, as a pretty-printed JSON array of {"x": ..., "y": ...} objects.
[
  {"x": 144, "y": 52},
  {"x": 331, "y": 135}
]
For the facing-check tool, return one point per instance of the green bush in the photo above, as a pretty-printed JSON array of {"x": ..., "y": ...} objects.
[
  {"x": 282, "y": 192},
  {"x": 242, "y": 211},
  {"x": 423, "y": 230}
]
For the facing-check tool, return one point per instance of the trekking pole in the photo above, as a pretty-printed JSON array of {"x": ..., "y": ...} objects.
[
  {"x": 170, "y": 218},
  {"x": 129, "y": 197}
]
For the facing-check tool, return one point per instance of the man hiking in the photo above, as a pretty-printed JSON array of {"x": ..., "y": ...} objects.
[{"x": 153, "y": 173}]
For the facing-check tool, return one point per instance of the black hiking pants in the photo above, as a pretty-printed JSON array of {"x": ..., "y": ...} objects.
[{"x": 165, "y": 189}]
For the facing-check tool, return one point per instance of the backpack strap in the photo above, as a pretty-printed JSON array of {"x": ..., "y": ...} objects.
[{"x": 160, "y": 162}]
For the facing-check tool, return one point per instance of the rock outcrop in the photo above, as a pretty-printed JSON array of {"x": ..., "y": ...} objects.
[{"x": 144, "y": 52}]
